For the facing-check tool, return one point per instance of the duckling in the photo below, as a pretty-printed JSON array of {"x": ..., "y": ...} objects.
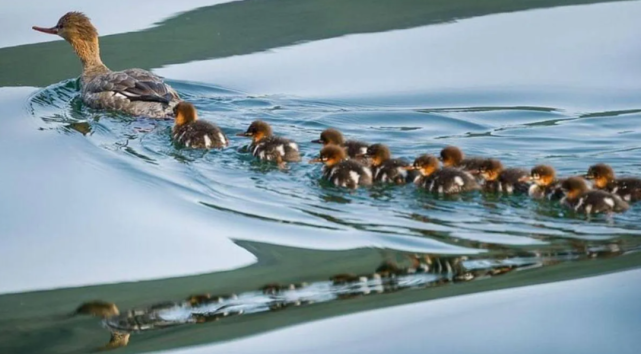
[
  {"x": 446, "y": 180},
  {"x": 97, "y": 308},
  {"x": 497, "y": 179},
  {"x": 583, "y": 200},
  {"x": 452, "y": 156},
  {"x": 546, "y": 185},
  {"x": 134, "y": 91},
  {"x": 627, "y": 188},
  {"x": 387, "y": 169},
  {"x": 117, "y": 340},
  {"x": 333, "y": 136},
  {"x": 196, "y": 300},
  {"x": 269, "y": 147},
  {"x": 194, "y": 133},
  {"x": 342, "y": 172}
]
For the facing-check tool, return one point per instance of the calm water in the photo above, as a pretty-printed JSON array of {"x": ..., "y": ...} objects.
[{"x": 103, "y": 206}]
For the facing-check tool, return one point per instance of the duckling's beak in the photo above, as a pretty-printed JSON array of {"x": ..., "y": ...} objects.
[
  {"x": 410, "y": 168},
  {"x": 315, "y": 160},
  {"x": 588, "y": 176},
  {"x": 531, "y": 179},
  {"x": 245, "y": 134},
  {"x": 525, "y": 179},
  {"x": 361, "y": 155},
  {"x": 52, "y": 30},
  {"x": 317, "y": 141}
]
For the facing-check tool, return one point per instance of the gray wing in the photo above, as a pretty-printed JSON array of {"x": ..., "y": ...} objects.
[{"x": 133, "y": 84}]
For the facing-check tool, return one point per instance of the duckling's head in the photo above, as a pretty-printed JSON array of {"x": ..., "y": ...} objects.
[
  {"x": 573, "y": 187},
  {"x": 491, "y": 169},
  {"x": 425, "y": 164},
  {"x": 330, "y": 136},
  {"x": 258, "y": 130},
  {"x": 451, "y": 156},
  {"x": 330, "y": 155},
  {"x": 185, "y": 112},
  {"x": 73, "y": 26},
  {"x": 378, "y": 153},
  {"x": 601, "y": 173},
  {"x": 543, "y": 175}
]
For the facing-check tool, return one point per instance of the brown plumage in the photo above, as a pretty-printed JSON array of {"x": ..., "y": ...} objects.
[
  {"x": 266, "y": 146},
  {"x": 353, "y": 148},
  {"x": 97, "y": 308},
  {"x": 193, "y": 133},
  {"x": 452, "y": 156},
  {"x": 386, "y": 169},
  {"x": 546, "y": 185},
  {"x": 502, "y": 180},
  {"x": 134, "y": 91},
  {"x": 340, "y": 171},
  {"x": 446, "y": 180},
  {"x": 628, "y": 188},
  {"x": 583, "y": 200}
]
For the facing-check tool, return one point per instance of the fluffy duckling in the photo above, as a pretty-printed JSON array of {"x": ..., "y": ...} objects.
[
  {"x": 546, "y": 185},
  {"x": 452, "y": 156},
  {"x": 499, "y": 180},
  {"x": 97, "y": 308},
  {"x": 193, "y": 133},
  {"x": 583, "y": 200},
  {"x": 335, "y": 137},
  {"x": 340, "y": 171},
  {"x": 446, "y": 180},
  {"x": 604, "y": 179},
  {"x": 134, "y": 91},
  {"x": 269, "y": 147},
  {"x": 386, "y": 169}
]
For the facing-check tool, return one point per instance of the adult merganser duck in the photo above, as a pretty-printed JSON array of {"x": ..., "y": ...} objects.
[
  {"x": 268, "y": 147},
  {"x": 194, "y": 133},
  {"x": 333, "y": 136},
  {"x": 134, "y": 91},
  {"x": 386, "y": 169},
  {"x": 340, "y": 171},
  {"x": 452, "y": 156},
  {"x": 583, "y": 200},
  {"x": 603, "y": 175},
  {"x": 546, "y": 185},
  {"x": 500, "y": 180},
  {"x": 446, "y": 180}
]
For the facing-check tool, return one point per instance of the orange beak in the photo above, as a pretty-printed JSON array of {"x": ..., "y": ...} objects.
[
  {"x": 315, "y": 160},
  {"x": 52, "y": 30},
  {"x": 410, "y": 168}
]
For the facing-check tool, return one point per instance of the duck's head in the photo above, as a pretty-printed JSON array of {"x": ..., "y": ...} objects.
[
  {"x": 330, "y": 155},
  {"x": 378, "y": 153},
  {"x": 185, "y": 112},
  {"x": 491, "y": 169},
  {"x": 258, "y": 130},
  {"x": 425, "y": 164},
  {"x": 543, "y": 175},
  {"x": 330, "y": 136},
  {"x": 72, "y": 26},
  {"x": 573, "y": 187},
  {"x": 451, "y": 156},
  {"x": 601, "y": 173}
]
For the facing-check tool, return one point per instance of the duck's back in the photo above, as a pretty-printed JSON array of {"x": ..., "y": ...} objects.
[
  {"x": 200, "y": 135},
  {"x": 512, "y": 180},
  {"x": 277, "y": 149},
  {"x": 448, "y": 181},
  {"x": 627, "y": 188},
  {"x": 393, "y": 171},
  {"x": 355, "y": 148},
  {"x": 349, "y": 174},
  {"x": 472, "y": 164},
  {"x": 136, "y": 92},
  {"x": 598, "y": 201},
  {"x": 550, "y": 192}
]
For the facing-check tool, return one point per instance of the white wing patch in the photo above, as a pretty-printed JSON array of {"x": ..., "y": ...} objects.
[
  {"x": 354, "y": 176},
  {"x": 221, "y": 136},
  {"x": 281, "y": 150},
  {"x": 293, "y": 146},
  {"x": 459, "y": 181},
  {"x": 533, "y": 191},
  {"x": 615, "y": 190},
  {"x": 367, "y": 171},
  {"x": 576, "y": 208},
  {"x": 188, "y": 143},
  {"x": 207, "y": 141},
  {"x": 363, "y": 150},
  {"x": 609, "y": 201},
  {"x": 402, "y": 172}
]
